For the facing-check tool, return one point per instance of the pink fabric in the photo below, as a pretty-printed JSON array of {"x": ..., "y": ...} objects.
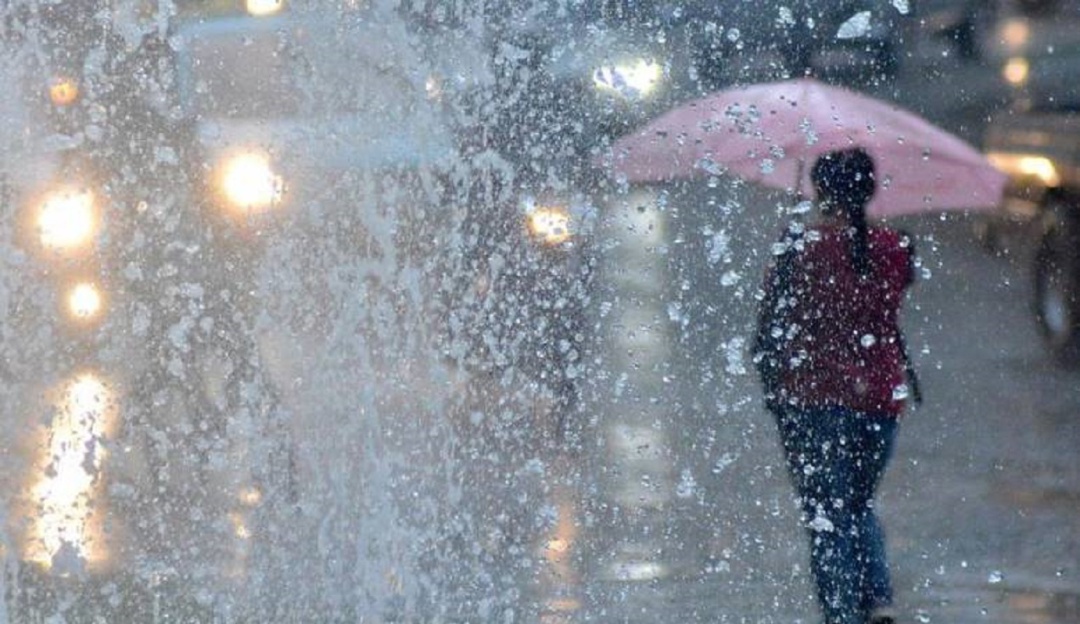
[
  {"x": 771, "y": 134},
  {"x": 847, "y": 351}
]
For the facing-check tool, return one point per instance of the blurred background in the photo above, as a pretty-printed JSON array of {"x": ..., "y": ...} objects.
[{"x": 334, "y": 311}]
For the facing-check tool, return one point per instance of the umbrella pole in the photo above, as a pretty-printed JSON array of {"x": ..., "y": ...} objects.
[{"x": 798, "y": 179}]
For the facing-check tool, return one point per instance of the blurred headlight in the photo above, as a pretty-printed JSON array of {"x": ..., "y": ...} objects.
[
  {"x": 1016, "y": 71},
  {"x": 84, "y": 302},
  {"x": 631, "y": 80},
  {"x": 264, "y": 7},
  {"x": 249, "y": 183},
  {"x": 66, "y": 219},
  {"x": 63, "y": 91},
  {"x": 549, "y": 225},
  {"x": 1040, "y": 168}
]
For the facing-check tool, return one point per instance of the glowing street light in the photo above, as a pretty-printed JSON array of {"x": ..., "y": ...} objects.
[
  {"x": 84, "y": 301},
  {"x": 249, "y": 182},
  {"x": 262, "y": 8},
  {"x": 1016, "y": 71},
  {"x": 63, "y": 91},
  {"x": 550, "y": 226},
  {"x": 66, "y": 219}
]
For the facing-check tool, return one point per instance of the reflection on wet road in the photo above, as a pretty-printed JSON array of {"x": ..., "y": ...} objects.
[
  {"x": 637, "y": 481},
  {"x": 67, "y": 530},
  {"x": 560, "y": 577}
]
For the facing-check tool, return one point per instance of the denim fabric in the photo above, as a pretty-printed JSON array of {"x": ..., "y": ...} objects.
[{"x": 836, "y": 458}]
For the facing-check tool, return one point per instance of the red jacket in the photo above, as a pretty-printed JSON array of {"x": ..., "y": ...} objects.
[{"x": 843, "y": 344}]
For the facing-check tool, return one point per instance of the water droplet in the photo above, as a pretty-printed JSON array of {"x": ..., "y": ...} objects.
[
  {"x": 687, "y": 484},
  {"x": 710, "y": 166},
  {"x": 868, "y": 340},
  {"x": 995, "y": 577},
  {"x": 723, "y": 462},
  {"x": 802, "y": 207},
  {"x": 821, "y": 524},
  {"x": 856, "y": 27}
]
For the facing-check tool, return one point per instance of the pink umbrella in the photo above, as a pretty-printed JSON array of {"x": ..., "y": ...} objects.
[{"x": 771, "y": 133}]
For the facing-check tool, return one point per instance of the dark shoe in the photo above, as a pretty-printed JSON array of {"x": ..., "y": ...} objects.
[{"x": 882, "y": 615}]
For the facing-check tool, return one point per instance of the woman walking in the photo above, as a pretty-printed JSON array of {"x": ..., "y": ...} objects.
[{"x": 832, "y": 359}]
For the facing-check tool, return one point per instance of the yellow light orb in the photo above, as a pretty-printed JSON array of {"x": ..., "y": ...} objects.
[
  {"x": 84, "y": 301},
  {"x": 1016, "y": 34},
  {"x": 550, "y": 226},
  {"x": 1016, "y": 71},
  {"x": 249, "y": 182},
  {"x": 63, "y": 91},
  {"x": 66, "y": 219}
]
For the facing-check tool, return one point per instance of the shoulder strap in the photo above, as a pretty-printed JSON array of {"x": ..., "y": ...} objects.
[{"x": 908, "y": 241}]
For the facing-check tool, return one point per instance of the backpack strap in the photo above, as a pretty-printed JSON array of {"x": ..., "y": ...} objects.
[{"x": 912, "y": 375}]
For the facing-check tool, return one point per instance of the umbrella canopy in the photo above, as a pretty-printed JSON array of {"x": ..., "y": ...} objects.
[{"x": 771, "y": 134}]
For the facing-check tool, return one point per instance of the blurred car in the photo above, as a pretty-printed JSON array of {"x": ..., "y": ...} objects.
[
  {"x": 1033, "y": 139},
  {"x": 320, "y": 159},
  {"x": 741, "y": 42},
  {"x": 966, "y": 24},
  {"x": 558, "y": 88}
]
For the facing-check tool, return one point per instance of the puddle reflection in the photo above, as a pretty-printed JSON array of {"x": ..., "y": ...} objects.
[
  {"x": 66, "y": 531},
  {"x": 560, "y": 578},
  {"x": 1044, "y": 607}
]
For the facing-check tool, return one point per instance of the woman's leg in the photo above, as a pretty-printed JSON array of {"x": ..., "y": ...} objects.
[
  {"x": 820, "y": 461},
  {"x": 873, "y": 438}
]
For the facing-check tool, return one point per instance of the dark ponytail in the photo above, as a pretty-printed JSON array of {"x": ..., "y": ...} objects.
[
  {"x": 846, "y": 180},
  {"x": 860, "y": 242}
]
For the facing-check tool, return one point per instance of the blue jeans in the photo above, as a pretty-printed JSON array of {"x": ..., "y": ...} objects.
[{"x": 836, "y": 458}]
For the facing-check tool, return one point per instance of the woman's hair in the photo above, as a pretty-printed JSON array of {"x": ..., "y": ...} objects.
[{"x": 845, "y": 181}]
